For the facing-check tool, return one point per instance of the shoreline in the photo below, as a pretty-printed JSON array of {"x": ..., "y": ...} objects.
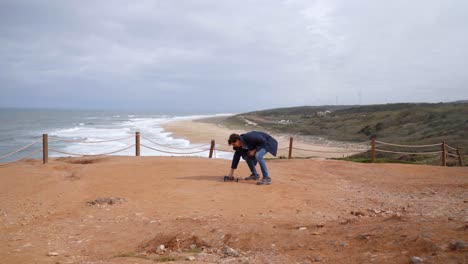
[{"x": 206, "y": 129}]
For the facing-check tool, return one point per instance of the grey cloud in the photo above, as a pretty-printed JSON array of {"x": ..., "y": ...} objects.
[{"x": 230, "y": 55}]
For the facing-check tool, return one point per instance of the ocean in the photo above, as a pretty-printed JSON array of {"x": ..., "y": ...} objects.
[{"x": 88, "y": 133}]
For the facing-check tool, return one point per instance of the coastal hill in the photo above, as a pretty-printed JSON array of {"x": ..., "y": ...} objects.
[{"x": 403, "y": 123}]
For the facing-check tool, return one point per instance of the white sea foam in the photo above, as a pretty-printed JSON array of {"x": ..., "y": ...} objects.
[{"x": 149, "y": 128}]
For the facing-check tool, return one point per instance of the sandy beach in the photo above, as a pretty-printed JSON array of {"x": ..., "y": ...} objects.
[{"x": 201, "y": 131}]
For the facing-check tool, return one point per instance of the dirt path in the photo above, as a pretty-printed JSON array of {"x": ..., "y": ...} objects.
[{"x": 315, "y": 211}]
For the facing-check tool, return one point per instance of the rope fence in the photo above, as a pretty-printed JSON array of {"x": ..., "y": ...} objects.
[
  {"x": 409, "y": 153},
  {"x": 445, "y": 149},
  {"x": 54, "y": 139},
  {"x": 20, "y": 149},
  {"x": 407, "y": 146},
  {"x": 323, "y": 151},
  {"x": 20, "y": 159},
  {"x": 452, "y": 148},
  {"x": 176, "y": 153},
  {"x": 102, "y": 154},
  {"x": 168, "y": 146}
]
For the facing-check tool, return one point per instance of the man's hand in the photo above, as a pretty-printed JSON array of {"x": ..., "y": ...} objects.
[{"x": 252, "y": 153}]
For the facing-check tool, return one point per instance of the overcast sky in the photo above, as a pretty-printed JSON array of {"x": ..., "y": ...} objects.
[{"x": 231, "y": 56}]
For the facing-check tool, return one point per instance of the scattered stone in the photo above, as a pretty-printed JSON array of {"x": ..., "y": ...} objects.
[
  {"x": 161, "y": 249},
  {"x": 228, "y": 251},
  {"x": 364, "y": 236},
  {"x": 459, "y": 245},
  {"x": 52, "y": 254},
  {"x": 357, "y": 213},
  {"x": 190, "y": 258},
  {"x": 302, "y": 228},
  {"x": 415, "y": 260},
  {"x": 317, "y": 259},
  {"x": 193, "y": 246},
  {"x": 106, "y": 201}
]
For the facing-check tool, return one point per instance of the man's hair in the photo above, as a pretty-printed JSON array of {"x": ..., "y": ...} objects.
[{"x": 233, "y": 138}]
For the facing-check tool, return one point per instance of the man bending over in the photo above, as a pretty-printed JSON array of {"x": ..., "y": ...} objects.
[{"x": 252, "y": 146}]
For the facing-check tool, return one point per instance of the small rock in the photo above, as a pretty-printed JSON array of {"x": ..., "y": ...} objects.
[
  {"x": 190, "y": 258},
  {"x": 161, "y": 249},
  {"x": 228, "y": 251},
  {"x": 364, "y": 236},
  {"x": 52, "y": 254},
  {"x": 459, "y": 245},
  {"x": 106, "y": 201},
  {"x": 317, "y": 259},
  {"x": 302, "y": 228},
  {"x": 415, "y": 260},
  {"x": 357, "y": 213}
]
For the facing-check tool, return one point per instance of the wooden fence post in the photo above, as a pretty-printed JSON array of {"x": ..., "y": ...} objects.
[
  {"x": 460, "y": 163},
  {"x": 290, "y": 148},
  {"x": 45, "y": 149},
  {"x": 137, "y": 144},
  {"x": 212, "y": 149},
  {"x": 444, "y": 154},
  {"x": 373, "y": 150}
]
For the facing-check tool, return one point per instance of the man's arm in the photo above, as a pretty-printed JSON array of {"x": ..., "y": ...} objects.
[
  {"x": 252, "y": 152},
  {"x": 235, "y": 162}
]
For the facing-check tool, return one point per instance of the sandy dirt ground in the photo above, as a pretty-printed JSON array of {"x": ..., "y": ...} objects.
[
  {"x": 198, "y": 131},
  {"x": 126, "y": 209}
]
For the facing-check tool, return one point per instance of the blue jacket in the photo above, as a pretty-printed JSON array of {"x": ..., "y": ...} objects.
[{"x": 254, "y": 140}]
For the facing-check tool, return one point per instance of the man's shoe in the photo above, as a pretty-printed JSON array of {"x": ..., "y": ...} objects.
[
  {"x": 252, "y": 177},
  {"x": 264, "y": 181}
]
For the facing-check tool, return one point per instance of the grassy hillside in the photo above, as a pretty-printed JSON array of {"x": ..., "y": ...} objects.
[{"x": 404, "y": 123}]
